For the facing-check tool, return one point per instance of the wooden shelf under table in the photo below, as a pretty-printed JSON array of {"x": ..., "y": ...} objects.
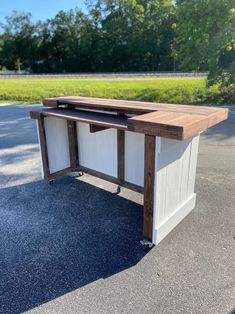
[{"x": 94, "y": 118}]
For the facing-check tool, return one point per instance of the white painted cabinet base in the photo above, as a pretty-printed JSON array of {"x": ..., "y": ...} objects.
[
  {"x": 174, "y": 175},
  {"x": 162, "y": 230},
  {"x": 175, "y": 171}
]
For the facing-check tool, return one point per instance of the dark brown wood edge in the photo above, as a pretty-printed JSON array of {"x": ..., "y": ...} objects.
[
  {"x": 72, "y": 137},
  {"x": 103, "y": 176},
  {"x": 53, "y": 103},
  {"x": 35, "y": 114},
  {"x": 61, "y": 173},
  {"x": 132, "y": 186},
  {"x": 149, "y": 169},
  {"x": 58, "y": 113},
  {"x": 43, "y": 146},
  {"x": 146, "y": 127},
  {"x": 175, "y": 133},
  {"x": 97, "y": 128},
  {"x": 122, "y": 104},
  {"x": 111, "y": 179}
]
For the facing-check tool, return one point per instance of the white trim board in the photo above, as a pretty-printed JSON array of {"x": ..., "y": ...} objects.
[{"x": 174, "y": 219}]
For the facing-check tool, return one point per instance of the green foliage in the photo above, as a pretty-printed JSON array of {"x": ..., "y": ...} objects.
[
  {"x": 117, "y": 35},
  {"x": 3, "y": 68},
  {"x": 128, "y": 35},
  {"x": 205, "y": 37},
  {"x": 227, "y": 93},
  {"x": 134, "y": 35},
  {"x": 182, "y": 91},
  {"x": 18, "y": 42}
]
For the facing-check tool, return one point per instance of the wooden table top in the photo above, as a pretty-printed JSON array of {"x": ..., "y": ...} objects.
[{"x": 166, "y": 120}]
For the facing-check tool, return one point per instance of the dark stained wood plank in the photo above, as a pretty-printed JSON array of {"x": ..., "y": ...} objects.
[
  {"x": 97, "y": 128},
  {"x": 112, "y": 179},
  {"x": 149, "y": 169},
  {"x": 35, "y": 114},
  {"x": 61, "y": 173},
  {"x": 127, "y": 105},
  {"x": 166, "y": 120},
  {"x": 97, "y": 118},
  {"x": 174, "y": 125},
  {"x": 73, "y": 147},
  {"x": 133, "y": 187},
  {"x": 43, "y": 146}
]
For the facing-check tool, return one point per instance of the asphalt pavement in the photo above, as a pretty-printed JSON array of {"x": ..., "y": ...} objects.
[{"x": 73, "y": 247}]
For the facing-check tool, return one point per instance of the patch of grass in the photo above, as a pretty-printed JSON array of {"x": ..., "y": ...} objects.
[{"x": 165, "y": 90}]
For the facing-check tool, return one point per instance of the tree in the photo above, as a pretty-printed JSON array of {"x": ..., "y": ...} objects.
[
  {"x": 19, "y": 41},
  {"x": 18, "y": 65},
  {"x": 115, "y": 35},
  {"x": 65, "y": 42},
  {"x": 134, "y": 34},
  {"x": 205, "y": 37}
]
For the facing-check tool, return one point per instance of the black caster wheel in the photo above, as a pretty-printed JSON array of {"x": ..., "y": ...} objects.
[
  {"x": 80, "y": 173},
  {"x": 51, "y": 182},
  {"x": 118, "y": 190}
]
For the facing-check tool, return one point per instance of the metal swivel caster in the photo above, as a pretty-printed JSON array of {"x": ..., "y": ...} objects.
[
  {"x": 118, "y": 189},
  {"x": 147, "y": 243},
  {"x": 51, "y": 182}
]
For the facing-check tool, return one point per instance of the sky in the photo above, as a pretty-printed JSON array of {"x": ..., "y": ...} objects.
[{"x": 40, "y": 9}]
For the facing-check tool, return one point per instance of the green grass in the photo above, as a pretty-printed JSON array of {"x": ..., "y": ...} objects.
[{"x": 166, "y": 90}]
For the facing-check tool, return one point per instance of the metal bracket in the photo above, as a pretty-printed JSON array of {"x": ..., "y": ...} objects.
[
  {"x": 118, "y": 190},
  {"x": 61, "y": 105},
  {"x": 147, "y": 243}
]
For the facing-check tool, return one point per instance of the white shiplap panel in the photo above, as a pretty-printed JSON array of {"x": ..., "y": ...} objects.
[
  {"x": 134, "y": 158},
  {"x": 185, "y": 165},
  {"x": 97, "y": 151},
  {"x": 57, "y": 143},
  {"x": 160, "y": 194},
  {"x": 193, "y": 164},
  {"x": 172, "y": 168},
  {"x": 162, "y": 230},
  {"x": 174, "y": 177},
  {"x": 172, "y": 187}
]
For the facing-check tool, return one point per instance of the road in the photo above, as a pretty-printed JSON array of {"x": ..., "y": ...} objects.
[
  {"x": 74, "y": 247},
  {"x": 107, "y": 75}
]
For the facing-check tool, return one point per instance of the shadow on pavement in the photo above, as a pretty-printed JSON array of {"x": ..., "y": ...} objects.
[
  {"x": 16, "y": 127},
  {"x": 55, "y": 239},
  {"x": 224, "y": 130}
]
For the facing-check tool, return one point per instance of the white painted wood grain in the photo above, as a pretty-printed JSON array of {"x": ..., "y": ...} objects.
[
  {"x": 134, "y": 158},
  {"x": 97, "y": 151},
  {"x": 174, "y": 181},
  {"x": 57, "y": 143},
  {"x": 174, "y": 219}
]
